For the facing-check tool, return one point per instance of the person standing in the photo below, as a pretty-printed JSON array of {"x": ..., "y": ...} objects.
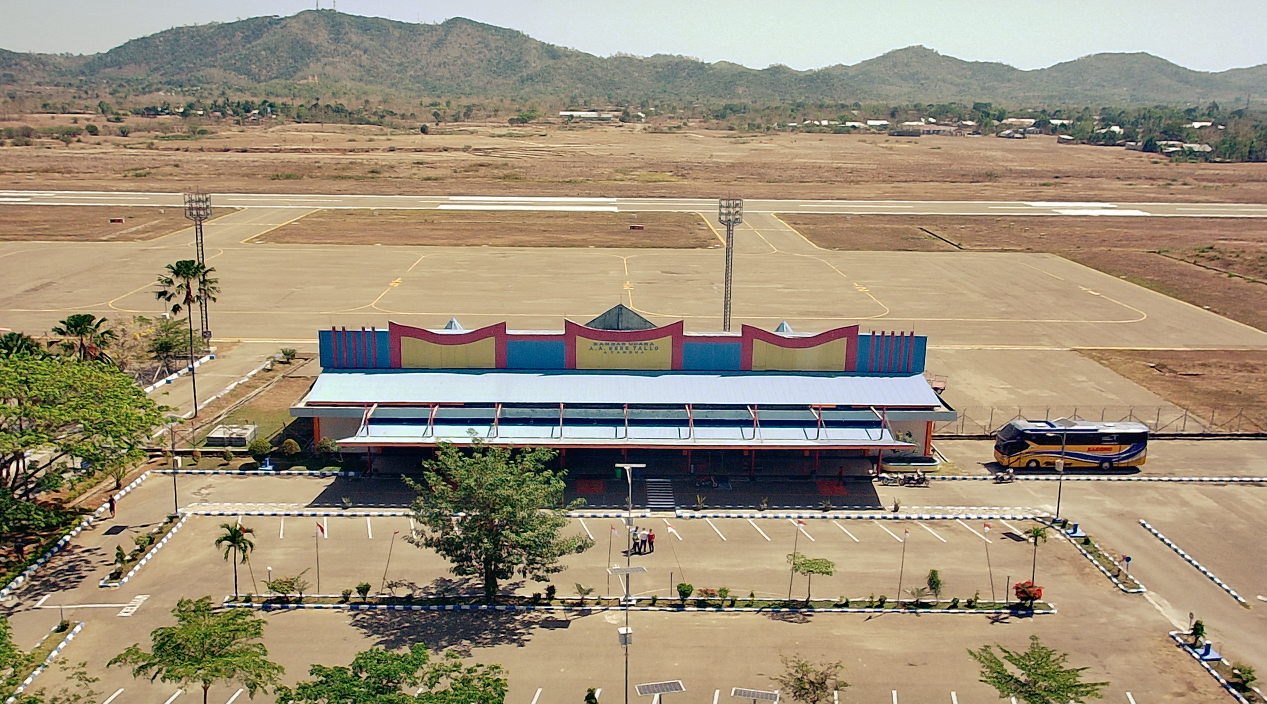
[
  {"x": 633, "y": 532},
  {"x": 112, "y": 505},
  {"x": 642, "y": 541},
  {"x": 651, "y": 540}
]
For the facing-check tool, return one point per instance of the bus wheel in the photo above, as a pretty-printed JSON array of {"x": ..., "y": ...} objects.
[
  {"x": 1032, "y": 464},
  {"x": 1106, "y": 465}
]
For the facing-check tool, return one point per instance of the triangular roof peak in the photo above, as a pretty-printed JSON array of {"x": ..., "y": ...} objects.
[
  {"x": 783, "y": 327},
  {"x": 453, "y": 324},
  {"x": 620, "y": 318}
]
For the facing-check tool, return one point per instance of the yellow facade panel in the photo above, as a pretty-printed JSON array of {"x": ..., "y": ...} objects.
[
  {"x": 603, "y": 354},
  {"x": 421, "y": 354},
  {"x": 827, "y": 357}
]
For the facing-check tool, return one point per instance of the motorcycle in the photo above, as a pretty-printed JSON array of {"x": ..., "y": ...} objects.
[
  {"x": 1004, "y": 477},
  {"x": 915, "y": 480}
]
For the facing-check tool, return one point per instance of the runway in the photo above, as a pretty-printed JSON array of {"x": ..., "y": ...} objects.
[{"x": 566, "y": 204}]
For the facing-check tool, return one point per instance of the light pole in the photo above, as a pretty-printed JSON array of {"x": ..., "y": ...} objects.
[
  {"x": 1060, "y": 467},
  {"x": 171, "y": 437},
  {"x": 729, "y": 213},
  {"x": 198, "y": 209},
  {"x": 626, "y": 635}
]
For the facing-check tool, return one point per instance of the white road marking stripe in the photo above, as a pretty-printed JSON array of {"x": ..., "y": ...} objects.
[
  {"x": 569, "y": 208},
  {"x": 717, "y": 693},
  {"x": 582, "y": 520},
  {"x": 802, "y": 529},
  {"x": 930, "y": 530},
  {"x": 173, "y": 697},
  {"x": 954, "y": 699},
  {"x": 112, "y": 696},
  {"x": 325, "y": 528},
  {"x": 535, "y": 697},
  {"x": 656, "y": 698},
  {"x": 235, "y": 696},
  {"x": 709, "y": 521},
  {"x": 672, "y": 530},
  {"x": 84, "y": 606},
  {"x": 847, "y": 532},
  {"x": 598, "y": 692},
  {"x": 886, "y": 530},
  {"x": 1130, "y": 698},
  {"x": 369, "y": 528},
  {"x": 281, "y": 533},
  {"x": 43, "y": 599},
  {"x": 965, "y": 525},
  {"x": 1010, "y": 526},
  {"x": 754, "y": 525},
  {"x": 895, "y": 696},
  {"x": 239, "y": 520}
]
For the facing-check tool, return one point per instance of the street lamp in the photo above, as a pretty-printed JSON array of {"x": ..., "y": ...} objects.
[
  {"x": 1060, "y": 467},
  {"x": 626, "y": 633},
  {"x": 729, "y": 213}
]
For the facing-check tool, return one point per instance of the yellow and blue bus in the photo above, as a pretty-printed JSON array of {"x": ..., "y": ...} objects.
[{"x": 1033, "y": 444}]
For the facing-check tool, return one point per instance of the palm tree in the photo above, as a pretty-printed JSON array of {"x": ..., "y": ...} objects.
[
  {"x": 90, "y": 332},
  {"x": 187, "y": 283},
  {"x": 235, "y": 540},
  {"x": 15, "y": 344},
  {"x": 1036, "y": 534}
]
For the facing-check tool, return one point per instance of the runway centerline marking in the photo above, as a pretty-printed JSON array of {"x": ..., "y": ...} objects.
[
  {"x": 886, "y": 530},
  {"x": 709, "y": 521},
  {"x": 846, "y": 532},
  {"x": 754, "y": 525}
]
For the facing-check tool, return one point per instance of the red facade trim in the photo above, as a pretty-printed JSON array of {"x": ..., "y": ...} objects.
[
  {"x": 751, "y": 333},
  {"x": 573, "y": 330},
  {"x": 396, "y": 332}
]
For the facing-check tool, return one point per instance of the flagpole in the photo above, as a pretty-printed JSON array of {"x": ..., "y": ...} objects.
[
  {"x": 610, "y": 533},
  {"x": 902, "y": 570},
  {"x": 389, "y": 562},
  {"x": 792, "y": 575},
  {"x": 988, "y": 565},
  {"x": 316, "y": 540}
]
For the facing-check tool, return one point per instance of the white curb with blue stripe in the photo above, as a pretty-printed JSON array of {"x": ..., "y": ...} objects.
[
  {"x": 47, "y": 661},
  {"x": 258, "y": 472},
  {"x": 317, "y": 514},
  {"x": 1188, "y": 558},
  {"x": 1091, "y": 558},
  {"x": 869, "y": 516},
  {"x": 149, "y": 555},
  {"x": 1175, "y": 635},
  {"x": 1102, "y": 478},
  {"x": 704, "y": 609}
]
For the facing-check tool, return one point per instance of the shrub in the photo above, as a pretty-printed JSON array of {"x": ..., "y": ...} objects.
[
  {"x": 92, "y": 130},
  {"x": 228, "y": 455},
  {"x": 881, "y": 601},
  {"x": 934, "y": 583},
  {"x": 551, "y": 590},
  {"x": 954, "y": 603},
  {"x": 290, "y": 448},
  {"x": 684, "y": 591},
  {"x": 1027, "y": 593},
  {"x": 654, "y": 598},
  {"x": 327, "y": 446},
  {"x": 196, "y": 456},
  {"x": 346, "y": 594},
  {"x": 288, "y": 355},
  {"x": 259, "y": 448},
  {"x": 723, "y": 592},
  {"x": 363, "y": 590}
]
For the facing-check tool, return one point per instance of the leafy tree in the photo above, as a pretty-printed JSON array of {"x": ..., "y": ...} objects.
[
  {"x": 934, "y": 583},
  {"x": 810, "y": 566},
  {"x": 236, "y": 539},
  {"x": 383, "y": 677},
  {"x": 60, "y": 409},
  {"x": 186, "y": 284},
  {"x": 493, "y": 513},
  {"x": 288, "y": 355},
  {"x": 327, "y": 446},
  {"x": 10, "y": 655},
  {"x": 583, "y": 591},
  {"x": 20, "y": 520},
  {"x": 1027, "y": 593},
  {"x": 294, "y": 584},
  {"x": 290, "y": 448},
  {"x": 1042, "y": 679},
  {"x": 84, "y": 336},
  {"x": 809, "y": 683},
  {"x": 15, "y": 344},
  {"x": 205, "y": 647},
  {"x": 259, "y": 448},
  {"x": 1197, "y": 632}
]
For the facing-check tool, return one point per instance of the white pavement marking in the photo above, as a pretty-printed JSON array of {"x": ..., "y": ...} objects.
[
  {"x": 1176, "y": 622},
  {"x": 930, "y": 530},
  {"x": 598, "y": 692},
  {"x": 895, "y": 696},
  {"x": 44, "y": 598},
  {"x": 133, "y": 605},
  {"x": 847, "y": 532},
  {"x": 672, "y": 530},
  {"x": 835, "y": 696},
  {"x": 709, "y": 521},
  {"x": 1130, "y": 698},
  {"x": 1010, "y": 527},
  {"x": 965, "y": 525},
  {"x": 802, "y": 529},
  {"x": 281, "y": 532},
  {"x": 886, "y": 530},
  {"x": 656, "y": 698},
  {"x": 369, "y": 528},
  {"x": 535, "y": 697},
  {"x": 112, "y": 696},
  {"x": 717, "y": 693},
  {"x": 763, "y": 535},
  {"x": 587, "y": 528},
  {"x": 325, "y": 528},
  {"x": 1262, "y": 598},
  {"x": 954, "y": 698},
  {"x": 173, "y": 697},
  {"x": 83, "y": 606},
  {"x": 239, "y": 520},
  {"x": 235, "y": 696}
]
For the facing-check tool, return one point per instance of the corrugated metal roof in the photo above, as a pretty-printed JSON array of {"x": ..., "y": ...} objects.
[
  {"x": 423, "y": 387},
  {"x": 615, "y": 436}
]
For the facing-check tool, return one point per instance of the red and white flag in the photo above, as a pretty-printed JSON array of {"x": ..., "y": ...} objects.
[
  {"x": 321, "y": 529},
  {"x": 614, "y": 531},
  {"x": 987, "y": 527},
  {"x": 906, "y": 531},
  {"x": 799, "y": 522},
  {"x": 672, "y": 529}
]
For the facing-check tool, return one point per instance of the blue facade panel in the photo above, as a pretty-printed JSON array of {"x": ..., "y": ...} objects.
[
  {"x": 712, "y": 356},
  {"x": 536, "y": 354},
  {"x": 353, "y": 349},
  {"x": 892, "y": 354}
]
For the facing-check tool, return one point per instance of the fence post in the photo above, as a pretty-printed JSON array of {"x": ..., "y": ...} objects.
[
  {"x": 1102, "y": 411},
  {"x": 1239, "y": 416},
  {"x": 990, "y": 428},
  {"x": 1211, "y": 427},
  {"x": 1158, "y": 423},
  {"x": 1185, "y": 421},
  {"x": 1047, "y": 413}
]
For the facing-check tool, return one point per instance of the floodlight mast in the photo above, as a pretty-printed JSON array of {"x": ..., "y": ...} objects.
[
  {"x": 198, "y": 209},
  {"x": 729, "y": 213}
]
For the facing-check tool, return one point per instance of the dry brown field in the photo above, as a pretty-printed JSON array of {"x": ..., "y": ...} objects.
[
  {"x": 609, "y": 160},
  {"x": 88, "y": 223},
  {"x": 497, "y": 229}
]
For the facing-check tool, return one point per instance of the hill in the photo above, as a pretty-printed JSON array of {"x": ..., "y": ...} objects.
[{"x": 467, "y": 58}]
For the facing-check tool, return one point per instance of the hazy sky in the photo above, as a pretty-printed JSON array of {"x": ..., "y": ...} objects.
[{"x": 1199, "y": 34}]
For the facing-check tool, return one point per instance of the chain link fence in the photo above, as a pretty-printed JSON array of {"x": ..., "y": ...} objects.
[{"x": 1218, "y": 420}]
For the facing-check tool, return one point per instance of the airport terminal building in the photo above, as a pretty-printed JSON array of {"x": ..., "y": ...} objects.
[{"x": 620, "y": 388}]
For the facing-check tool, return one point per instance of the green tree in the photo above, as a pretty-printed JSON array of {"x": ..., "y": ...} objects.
[
  {"x": 934, "y": 583},
  {"x": 494, "y": 512},
  {"x": 84, "y": 336},
  {"x": 259, "y": 448},
  {"x": 1042, "y": 679},
  {"x": 810, "y": 566},
  {"x": 10, "y": 655},
  {"x": 205, "y": 647},
  {"x": 290, "y": 448},
  {"x": 15, "y": 344},
  {"x": 288, "y": 355},
  {"x": 384, "y": 677},
  {"x": 186, "y": 284},
  {"x": 22, "y": 520},
  {"x": 1036, "y": 534},
  {"x": 56, "y": 410},
  {"x": 808, "y": 683},
  {"x": 236, "y": 539}
]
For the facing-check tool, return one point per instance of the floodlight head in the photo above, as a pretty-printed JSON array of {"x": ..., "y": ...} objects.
[
  {"x": 730, "y": 211},
  {"x": 198, "y": 206}
]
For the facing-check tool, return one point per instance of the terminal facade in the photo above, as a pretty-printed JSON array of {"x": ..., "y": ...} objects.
[{"x": 622, "y": 389}]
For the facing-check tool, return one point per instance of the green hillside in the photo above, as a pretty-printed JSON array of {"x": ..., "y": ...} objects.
[{"x": 466, "y": 58}]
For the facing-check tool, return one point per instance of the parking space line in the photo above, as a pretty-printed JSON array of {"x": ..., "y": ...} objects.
[
  {"x": 709, "y": 521},
  {"x": 239, "y": 520},
  {"x": 173, "y": 697},
  {"x": 672, "y": 529},
  {"x": 369, "y": 528},
  {"x": 954, "y": 699},
  {"x": 536, "y": 696},
  {"x": 847, "y": 532},
  {"x": 43, "y": 599},
  {"x": 754, "y": 525},
  {"x": 281, "y": 532},
  {"x": 112, "y": 696},
  {"x": 1011, "y": 527},
  {"x": 930, "y": 530},
  {"x": 965, "y": 525},
  {"x": 1129, "y": 698},
  {"x": 235, "y": 696},
  {"x": 587, "y": 528},
  {"x": 598, "y": 692},
  {"x": 800, "y": 525},
  {"x": 716, "y": 694},
  {"x": 895, "y": 696},
  {"x": 325, "y": 528},
  {"x": 886, "y": 530}
]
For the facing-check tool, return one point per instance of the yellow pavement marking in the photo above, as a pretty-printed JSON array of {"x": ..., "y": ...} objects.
[
  {"x": 793, "y": 229},
  {"x": 710, "y": 226},
  {"x": 301, "y": 216}
]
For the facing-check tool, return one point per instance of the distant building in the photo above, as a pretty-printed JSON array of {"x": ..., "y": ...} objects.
[
  {"x": 1022, "y": 121},
  {"x": 877, "y": 123}
]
